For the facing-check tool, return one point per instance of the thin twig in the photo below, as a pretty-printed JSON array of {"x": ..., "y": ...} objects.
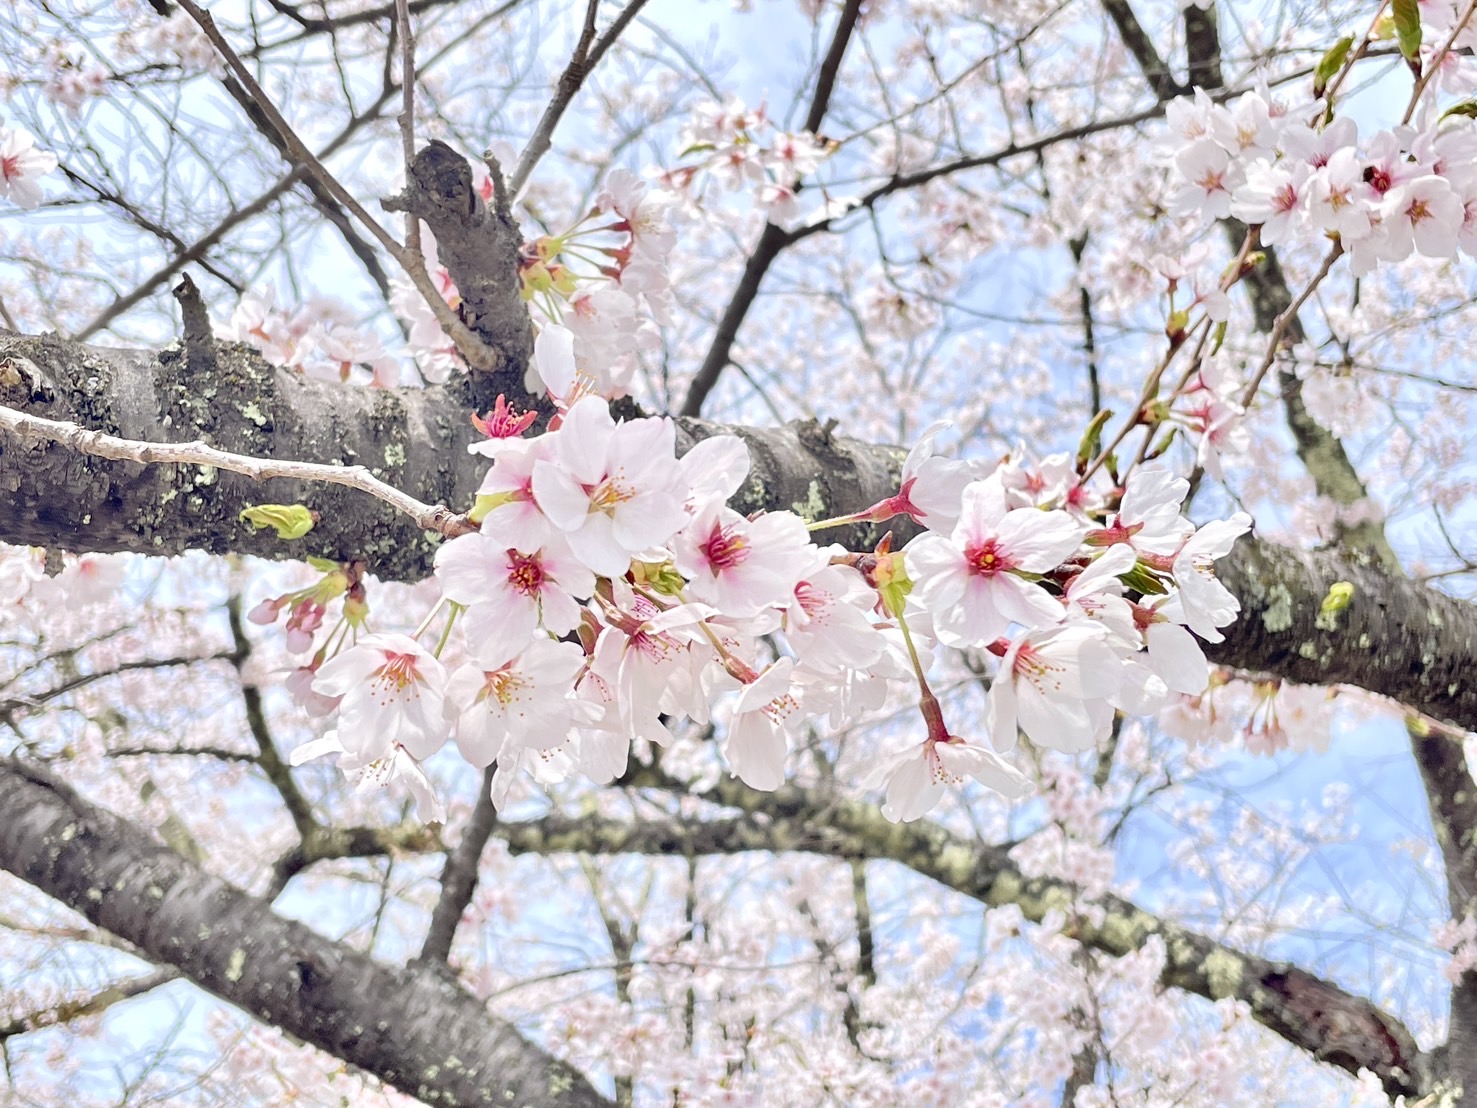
[
  {"x": 407, "y": 113},
  {"x": 1274, "y": 341},
  {"x": 587, "y": 54},
  {"x": 470, "y": 346},
  {"x": 1436, "y": 60},
  {"x": 430, "y": 517}
]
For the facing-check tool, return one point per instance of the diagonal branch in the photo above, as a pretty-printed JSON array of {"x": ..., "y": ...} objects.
[
  {"x": 587, "y": 54},
  {"x": 442, "y": 1046},
  {"x": 773, "y": 238},
  {"x": 459, "y": 877},
  {"x": 1315, "y": 1015}
]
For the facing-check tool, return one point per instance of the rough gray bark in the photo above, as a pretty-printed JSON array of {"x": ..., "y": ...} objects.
[{"x": 413, "y": 1029}]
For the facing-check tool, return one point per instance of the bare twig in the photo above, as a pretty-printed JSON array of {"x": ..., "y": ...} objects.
[
  {"x": 587, "y": 54},
  {"x": 1279, "y": 329},
  {"x": 470, "y": 346},
  {"x": 773, "y": 239},
  {"x": 81, "y": 1007},
  {"x": 407, "y": 112},
  {"x": 430, "y": 517}
]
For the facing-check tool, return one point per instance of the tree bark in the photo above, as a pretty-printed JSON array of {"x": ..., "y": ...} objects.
[{"x": 415, "y": 1030}]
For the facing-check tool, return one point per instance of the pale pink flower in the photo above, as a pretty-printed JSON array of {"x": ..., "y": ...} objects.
[
  {"x": 376, "y": 770},
  {"x": 713, "y": 470},
  {"x": 1339, "y": 199},
  {"x": 20, "y": 166},
  {"x": 517, "y": 520},
  {"x": 1148, "y": 516},
  {"x": 1202, "y": 603},
  {"x": 932, "y": 486},
  {"x": 509, "y": 594},
  {"x": 1209, "y": 178},
  {"x": 527, "y": 702},
  {"x": 643, "y": 213},
  {"x": 615, "y": 490},
  {"x": 828, "y": 624},
  {"x": 758, "y": 734},
  {"x": 740, "y": 566},
  {"x": 971, "y": 581},
  {"x": 652, "y": 661},
  {"x": 1423, "y": 214},
  {"x": 917, "y": 777},
  {"x": 1054, "y": 685},
  {"x": 391, "y": 689},
  {"x": 1273, "y": 196}
]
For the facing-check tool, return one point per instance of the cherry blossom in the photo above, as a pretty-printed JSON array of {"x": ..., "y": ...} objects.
[
  {"x": 972, "y": 581},
  {"x": 1054, "y": 685},
  {"x": 391, "y": 691},
  {"x": 527, "y": 701},
  {"x": 20, "y": 166},
  {"x": 509, "y": 594},
  {"x": 918, "y": 777},
  {"x": 612, "y": 488}
]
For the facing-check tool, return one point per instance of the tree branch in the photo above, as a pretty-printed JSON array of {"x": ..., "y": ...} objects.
[
  {"x": 459, "y": 877},
  {"x": 1397, "y": 637},
  {"x": 414, "y": 1030},
  {"x": 1332, "y": 1025},
  {"x": 773, "y": 238}
]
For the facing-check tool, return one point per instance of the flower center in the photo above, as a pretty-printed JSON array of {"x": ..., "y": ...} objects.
[
  {"x": 525, "y": 573},
  {"x": 987, "y": 559},
  {"x": 398, "y": 674},
  {"x": 725, "y": 547},
  {"x": 502, "y": 686}
]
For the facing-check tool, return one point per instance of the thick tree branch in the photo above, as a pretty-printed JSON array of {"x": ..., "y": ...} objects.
[
  {"x": 414, "y": 1030},
  {"x": 1329, "y": 1023},
  {"x": 1397, "y": 638}
]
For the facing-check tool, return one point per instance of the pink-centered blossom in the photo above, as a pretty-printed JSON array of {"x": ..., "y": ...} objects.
[
  {"x": 615, "y": 490},
  {"x": 742, "y": 566},
  {"x": 509, "y": 594},
  {"x": 391, "y": 689},
  {"x": 21, "y": 166},
  {"x": 972, "y": 581},
  {"x": 1054, "y": 685}
]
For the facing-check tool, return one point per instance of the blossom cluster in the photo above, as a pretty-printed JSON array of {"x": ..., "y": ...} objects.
[
  {"x": 739, "y": 148},
  {"x": 1402, "y": 191},
  {"x": 318, "y": 339},
  {"x": 612, "y": 592},
  {"x": 598, "y": 291}
]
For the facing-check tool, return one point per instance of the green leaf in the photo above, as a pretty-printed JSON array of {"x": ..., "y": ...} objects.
[
  {"x": 1464, "y": 108},
  {"x": 1408, "y": 27},
  {"x": 1091, "y": 439},
  {"x": 323, "y": 565},
  {"x": 1144, "y": 581},
  {"x": 292, "y": 521},
  {"x": 1329, "y": 65}
]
